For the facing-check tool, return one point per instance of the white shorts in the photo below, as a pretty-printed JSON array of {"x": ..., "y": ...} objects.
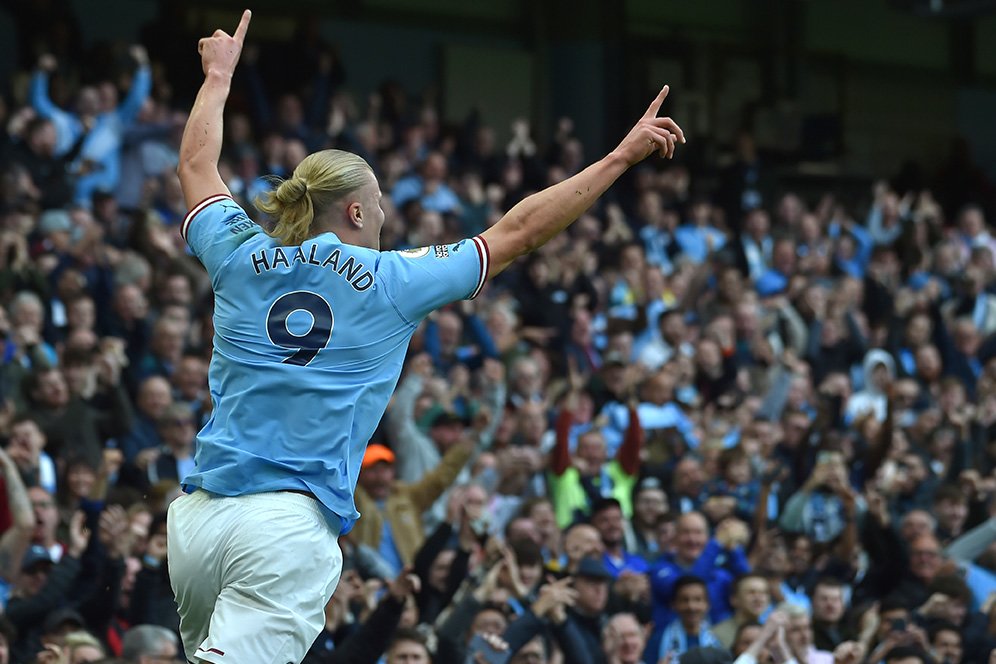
[{"x": 251, "y": 575}]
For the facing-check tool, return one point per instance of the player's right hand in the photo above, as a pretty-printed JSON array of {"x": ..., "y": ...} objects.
[
  {"x": 651, "y": 134},
  {"x": 220, "y": 52}
]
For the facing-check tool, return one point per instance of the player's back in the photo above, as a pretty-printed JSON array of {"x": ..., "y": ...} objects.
[{"x": 309, "y": 344}]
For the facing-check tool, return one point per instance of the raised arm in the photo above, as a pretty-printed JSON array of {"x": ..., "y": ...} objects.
[
  {"x": 537, "y": 218},
  {"x": 15, "y": 539},
  {"x": 201, "y": 144},
  {"x": 560, "y": 457},
  {"x": 628, "y": 454},
  {"x": 141, "y": 86},
  {"x": 38, "y": 91}
]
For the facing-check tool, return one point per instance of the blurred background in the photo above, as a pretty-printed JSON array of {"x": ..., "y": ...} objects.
[
  {"x": 775, "y": 353},
  {"x": 835, "y": 90}
]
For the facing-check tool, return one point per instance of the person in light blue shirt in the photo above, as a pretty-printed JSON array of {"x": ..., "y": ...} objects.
[
  {"x": 776, "y": 279},
  {"x": 853, "y": 246},
  {"x": 657, "y": 230},
  {"x": 100, "y": 118},
  {"x": 657, "y": 411},
  {"x": 698, "y": 238},
  {"x": 311, "y": 328},
  {"x": 428, "y": 187}
]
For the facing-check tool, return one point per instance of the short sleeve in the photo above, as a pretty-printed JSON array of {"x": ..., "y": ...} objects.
[
  {"x": 419, "y": 281},
  {"x": 214, "y": 228}
]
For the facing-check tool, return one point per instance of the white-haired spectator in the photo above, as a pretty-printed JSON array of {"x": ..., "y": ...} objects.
[{"x": 149, "y": 644}]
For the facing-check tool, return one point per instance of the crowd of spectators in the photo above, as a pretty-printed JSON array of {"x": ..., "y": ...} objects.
[{"x": 713, "y": 420}]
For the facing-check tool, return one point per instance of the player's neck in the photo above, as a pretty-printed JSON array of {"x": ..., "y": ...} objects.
[{"x": 347, "y": 233}]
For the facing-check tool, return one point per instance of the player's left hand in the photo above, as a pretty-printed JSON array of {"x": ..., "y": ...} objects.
[
  {"x": 651, "y": 134},
  {"x": 220, "y": 52}
]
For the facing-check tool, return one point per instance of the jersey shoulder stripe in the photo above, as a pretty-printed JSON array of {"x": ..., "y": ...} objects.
[
  {"x": 194, "y": 211},
  {"x": 484, "y": 254}
]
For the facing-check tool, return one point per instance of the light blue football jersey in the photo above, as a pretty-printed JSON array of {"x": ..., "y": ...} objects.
[{"x": 309, "y": 343}]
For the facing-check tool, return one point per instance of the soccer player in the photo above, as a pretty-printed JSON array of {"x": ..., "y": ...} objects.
[{"x": 312, "y": 323}]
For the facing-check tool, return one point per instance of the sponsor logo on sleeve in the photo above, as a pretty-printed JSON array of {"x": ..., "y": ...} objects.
[
  {"x": 415, "y": 253},
  {"x": 442, "y": 251},
  {"x": 239, "y": 222}
]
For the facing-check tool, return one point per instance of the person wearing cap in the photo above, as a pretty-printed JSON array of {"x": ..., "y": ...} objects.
[
  {"x": 44, "y": 585},
  {"x": 571, "y": 610},
  {"x": 392, "y": 523},
  {"x": 37, "y": 560},
  {"x": 60, "y": 622},
  {"x": 591, "y": 581}
]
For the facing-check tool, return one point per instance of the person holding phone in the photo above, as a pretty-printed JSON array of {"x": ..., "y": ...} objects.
[{"x": 826, "y": 504}]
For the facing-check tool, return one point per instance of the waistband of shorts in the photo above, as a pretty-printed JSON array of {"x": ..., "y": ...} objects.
[{"x": 303, "y": 499}]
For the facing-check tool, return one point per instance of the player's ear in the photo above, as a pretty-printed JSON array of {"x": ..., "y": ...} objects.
[{"x": 354, "y": 212}]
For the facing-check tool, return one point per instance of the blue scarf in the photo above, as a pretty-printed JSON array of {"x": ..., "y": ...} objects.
[{"x": 675, "y": 641}]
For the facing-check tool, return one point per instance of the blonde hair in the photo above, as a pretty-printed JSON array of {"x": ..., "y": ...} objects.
[
  {"x": 318, "y": 181},
  {"x": 80, "y": 639}
]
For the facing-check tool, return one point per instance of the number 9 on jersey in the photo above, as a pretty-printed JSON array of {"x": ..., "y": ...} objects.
[{"x": 307, "y": 345}]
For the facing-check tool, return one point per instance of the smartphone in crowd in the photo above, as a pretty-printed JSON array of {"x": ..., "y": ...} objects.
[{"x": 480, "y": 651}]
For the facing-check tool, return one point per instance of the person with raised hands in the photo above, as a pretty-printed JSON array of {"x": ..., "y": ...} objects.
[{"x": 298, "y": 390}]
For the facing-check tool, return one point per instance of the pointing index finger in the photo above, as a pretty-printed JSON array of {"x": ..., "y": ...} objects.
[
  {"x": 655, "y": 105},
  {"x": 240, "y": 32}
]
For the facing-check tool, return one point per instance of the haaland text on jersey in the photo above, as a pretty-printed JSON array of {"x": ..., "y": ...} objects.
[{"x": 352, "y": 271}]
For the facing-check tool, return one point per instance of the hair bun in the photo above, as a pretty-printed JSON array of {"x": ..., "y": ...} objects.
[{"x": 291, "y": 191}]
